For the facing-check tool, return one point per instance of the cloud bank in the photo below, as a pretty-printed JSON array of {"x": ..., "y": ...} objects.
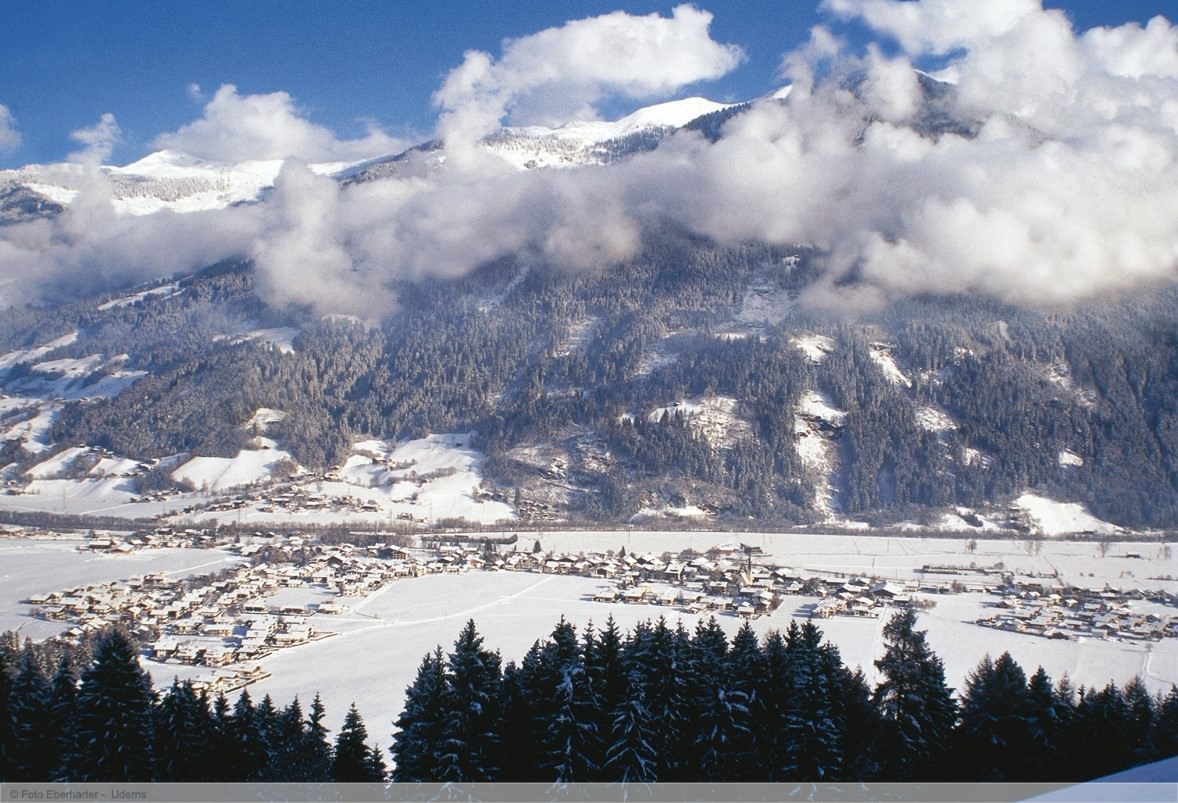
[
  {"x": 236, "y": 128},
  {"x": 1057, "y": 181}
]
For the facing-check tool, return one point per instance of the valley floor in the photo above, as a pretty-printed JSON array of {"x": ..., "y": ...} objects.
[{"x": 377, "y": 640}]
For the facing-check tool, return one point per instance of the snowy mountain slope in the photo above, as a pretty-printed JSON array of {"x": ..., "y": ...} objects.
[
  {"x": 179, "y": 182},
  {"x": 164, "y": 180}
]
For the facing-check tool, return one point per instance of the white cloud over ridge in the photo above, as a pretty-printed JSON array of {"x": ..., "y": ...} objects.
[
  {"x": 97, "y": 141},
  {"x": 1067, "y": 188},
  {"x": 560, "y": 73},
  {"x": 10, "y": 138},
  {"x": 236, "y": 128}
]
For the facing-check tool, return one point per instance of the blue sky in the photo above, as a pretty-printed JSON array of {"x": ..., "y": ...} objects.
[{"x": 347, "y": 65}]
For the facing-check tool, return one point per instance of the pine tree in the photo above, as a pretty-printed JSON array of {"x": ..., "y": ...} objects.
[
  {"x": 113, "y": 725},
  {"x": 182, "y": 729},
  {"x": 290, "y": 738},
  {"x": 1141, "y": 723},
  {"x": 1100, "y": 734},
  {"x": 63, "y": 705},
  {"x": 861, "y": 726},
  {"x": 917, "y": 708},
  {"x": 249, "y": 750},
  {"x": 1167, "y": 724},
  {"x": 630, "y": 755},
  {"x": 1048, "y": 714},
  {"x": 8, "y": 765},
  {"x": 221, "y": 750},
  {"x": 316, "y": 752},
  {"x": 995, "y": 735},
  {"x": 810, "y": 733},
  {"x": 658, "y": 657},
  {"x": 30, "y": 720},
  {"x": 566, "y": 732},
  {"x": 418, "y": 736},
  {"x": 719, "y": 712},
  {"x": 266, "y": 724},
  {"x": 471, "y": 738},
  {"x": 353, "y": 761}
]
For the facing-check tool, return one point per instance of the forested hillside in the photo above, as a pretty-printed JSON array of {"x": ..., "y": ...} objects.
[{"x": 689, "y": 376}]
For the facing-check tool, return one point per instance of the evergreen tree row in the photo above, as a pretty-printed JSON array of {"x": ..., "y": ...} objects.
[
  {"x": 665, "y": 704},
  {"x": 109, "y": 724},
  {"x": 659, "y": 703}
]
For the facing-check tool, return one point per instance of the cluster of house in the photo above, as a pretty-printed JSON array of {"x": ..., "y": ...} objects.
[
  {"x": 159, "y": 538},
  {"x": 222, "y": 620},
  {"x": 724, "y": 580},
  {"x": 293, "y": 500},
  {"x": 230, "y": 620},
  {"x": 1071, "y": 613}
]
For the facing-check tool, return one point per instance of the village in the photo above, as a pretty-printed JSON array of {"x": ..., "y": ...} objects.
[{"x": 288, "y": 586}]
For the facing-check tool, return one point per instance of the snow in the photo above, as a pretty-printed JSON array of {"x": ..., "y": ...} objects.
[
  {"x": 973, "y": 457},
  {"x": 281, "y": 338},
  {"x": 933, "y": 419},
  {"x": 164, "y": 291},
  {"x": 764, "y": 305},
  {"x": 263, "y": 417},
  {"x": 31, "y": 431},
  {"x": 381, "y": 638},
  {"x": 426, "y": 479},
  {"x": 881, "y": 355},
  {"x": 671, "y": 512},
  {"x": 222, "y": 473},
  {"x": 70, "y": 368},
  {"x": 17, "y": 357},
  {"x": 814, "y": 447},
  {"x": 815, "y": 404},
  {"x": 958, "y": 521},
  {"x": 712, "y": 417},
  {"x": 579, "y": 334},
  {"x": 1069, "y": 458},
  {"x": 586, "y": 142},
  {"x": 165, "y": 180},
  {"x": 72, "y": 378},
  {"x": 58, "y": 464},
  {"x": 815, "y": 347},
  {"x": 1056, "y": 518}
]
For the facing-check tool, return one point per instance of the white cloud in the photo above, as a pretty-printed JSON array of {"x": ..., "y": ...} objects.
[
  {"x": 9, "y": 135},
  {"x": 98, "y": 141},
  {"x": 936, "y": 25},
  {"x": 560, "y": 73},
  {"x": 238, "y": 128},
  {"x": 1068, "y": 189}
]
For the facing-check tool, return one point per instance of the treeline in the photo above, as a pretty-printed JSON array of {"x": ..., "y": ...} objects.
[
  {"x": 94, "y": 717},
  {"x": 655, "y": 704},
  {"x": 665, "y": 704}
]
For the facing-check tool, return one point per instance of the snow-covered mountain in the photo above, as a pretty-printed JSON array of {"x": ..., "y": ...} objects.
[
  {"x": 181, "y": 182},
  {"x": 163, "y": 180}
]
